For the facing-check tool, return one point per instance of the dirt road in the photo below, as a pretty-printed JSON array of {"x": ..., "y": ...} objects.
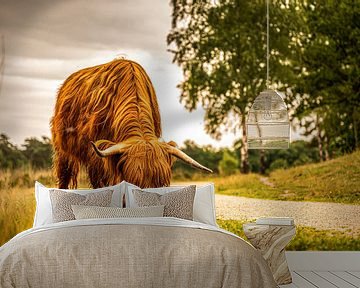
[{"x": 320, "y": 215}]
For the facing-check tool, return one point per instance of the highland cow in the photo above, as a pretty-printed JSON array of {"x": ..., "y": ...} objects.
[{"x": 107, "y": 119}]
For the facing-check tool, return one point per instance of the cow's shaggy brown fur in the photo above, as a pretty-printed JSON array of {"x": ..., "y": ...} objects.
[{"x": 115, "y": 101}]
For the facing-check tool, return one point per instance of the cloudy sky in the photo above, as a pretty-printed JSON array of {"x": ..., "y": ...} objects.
[{"x": 48, "y": 40}]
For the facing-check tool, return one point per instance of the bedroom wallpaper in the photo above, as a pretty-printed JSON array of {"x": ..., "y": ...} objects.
[{"x": 157, "y": 94}]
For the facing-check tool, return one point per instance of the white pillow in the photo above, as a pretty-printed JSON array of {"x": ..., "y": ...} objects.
[
  {"x": 204, "y": 202},
  {"x": 43, "y": 213}
]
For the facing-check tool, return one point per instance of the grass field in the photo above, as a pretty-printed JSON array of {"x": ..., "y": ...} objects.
[
  {"x": 334, "y": 181},
  {"x": 17, "y": 199}
]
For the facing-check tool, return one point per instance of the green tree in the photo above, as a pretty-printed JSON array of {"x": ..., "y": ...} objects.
[
  {"x": 10, "y": 156},
  {"x": 228, "y": 164},
  {"x": 329, "y": 84},
  {"x": 204, "y": 154},
  {"x": 221, "y": 48},
  {"x": 279, "y": 164},
  {"x": 38, "y": 152},
  {"x": 299, "y": 153}
]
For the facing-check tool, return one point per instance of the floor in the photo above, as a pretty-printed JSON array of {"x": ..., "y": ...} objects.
[
  {"x": 324, "y": 269},
  {"x": 324, "y": 279}
]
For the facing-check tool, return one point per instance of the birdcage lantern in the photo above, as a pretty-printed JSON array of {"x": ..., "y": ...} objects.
[{"x": 268, "y": 125}]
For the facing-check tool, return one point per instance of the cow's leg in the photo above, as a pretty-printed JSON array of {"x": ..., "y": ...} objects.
[
  {"x": 66, "y": 171},
  {"x": 97, "y": 175}
]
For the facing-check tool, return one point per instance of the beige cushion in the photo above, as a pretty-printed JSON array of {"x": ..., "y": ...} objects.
[
  {"x": 93, "y": 212},
  {"x": 204, "y": 201},
  {"x": 61, "y": 202},
  {"x": 177, "y": 204}
]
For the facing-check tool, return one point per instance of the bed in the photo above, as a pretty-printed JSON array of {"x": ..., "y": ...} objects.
[{"x": 131, "y": 252}]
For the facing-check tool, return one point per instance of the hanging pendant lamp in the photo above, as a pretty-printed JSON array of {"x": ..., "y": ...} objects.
[{"x": 268, "y": 125}]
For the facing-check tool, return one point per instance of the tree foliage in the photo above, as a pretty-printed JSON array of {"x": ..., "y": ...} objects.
[
  {"x": 203, "y": 154},
  {"x": 221, "y": 48},
  {"x": 299, "y": 153},
  {"x": 10, "y": 156},
  {"x": 36, "y": 154},
  {"x": 228, "y": 164},
  {"x": 329, "y": 85},
  {"x": 224, "y": 161}
]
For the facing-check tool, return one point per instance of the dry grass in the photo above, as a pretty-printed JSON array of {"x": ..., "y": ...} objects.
[
  {"x": 17, "y": 199},
  {"x": 17, "y": 207}
]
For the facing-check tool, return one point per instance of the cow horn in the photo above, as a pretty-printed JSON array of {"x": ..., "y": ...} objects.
[
  {"x": 115, "y": 149},
  {"x": 187, "y": 159}
]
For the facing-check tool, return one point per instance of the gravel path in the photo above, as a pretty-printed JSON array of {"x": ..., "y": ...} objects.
[{"x": 320, "y": 215}]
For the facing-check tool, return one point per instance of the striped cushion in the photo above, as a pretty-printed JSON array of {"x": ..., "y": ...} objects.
[{"x": 93, "y": 212}]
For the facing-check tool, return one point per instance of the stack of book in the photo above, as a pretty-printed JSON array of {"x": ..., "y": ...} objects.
[{"x": 286, "y": 221}]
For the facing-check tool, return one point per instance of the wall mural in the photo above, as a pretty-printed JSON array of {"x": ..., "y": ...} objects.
[{"x": 166, "y": 111}]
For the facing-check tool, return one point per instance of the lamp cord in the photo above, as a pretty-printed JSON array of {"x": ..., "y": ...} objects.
[{"x": 267, "y": 44}]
